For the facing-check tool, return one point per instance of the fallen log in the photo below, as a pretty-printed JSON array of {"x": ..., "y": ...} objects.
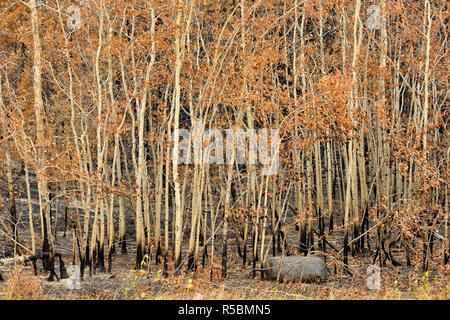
[
  {"x": 19, "y": 259},
  {"x": 33, "y": 258}
]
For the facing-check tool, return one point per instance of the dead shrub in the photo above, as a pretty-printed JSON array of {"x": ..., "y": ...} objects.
[{"x": 22, "y": 285}]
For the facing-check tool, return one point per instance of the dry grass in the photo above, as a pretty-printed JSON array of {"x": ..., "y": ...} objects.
[
  {"x": 22, "y": 285},
  {"x": 391, "y": 289},
  {"x": 128, "y": 284},
  {"x": 339, "y": 287}
]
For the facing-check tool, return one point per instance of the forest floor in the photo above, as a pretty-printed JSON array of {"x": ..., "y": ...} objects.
[{"x": 126, "y": 283}]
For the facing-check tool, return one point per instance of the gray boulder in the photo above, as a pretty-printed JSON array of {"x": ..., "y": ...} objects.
[{"x": 296, "y": 268}]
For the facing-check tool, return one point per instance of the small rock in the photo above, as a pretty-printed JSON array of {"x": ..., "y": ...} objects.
[{"x": 295, "y": 268}]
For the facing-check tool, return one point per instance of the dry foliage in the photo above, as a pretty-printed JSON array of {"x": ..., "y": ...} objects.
[
  {"x": 93, "y": 92},
  {"x": 22, "y": 285}
]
